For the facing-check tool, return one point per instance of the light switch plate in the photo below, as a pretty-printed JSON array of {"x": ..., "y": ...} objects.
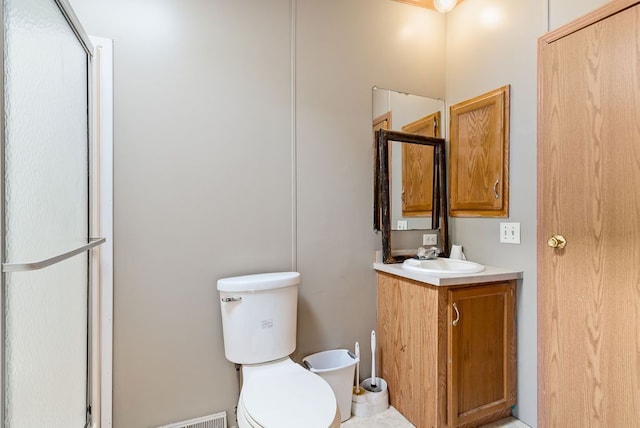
[
  {"x": 429, "y": 239},
  {"x": 510, "y": 233}
]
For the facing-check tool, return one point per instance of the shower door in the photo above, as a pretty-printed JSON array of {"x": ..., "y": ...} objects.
[{"x": 45, "y": 216}]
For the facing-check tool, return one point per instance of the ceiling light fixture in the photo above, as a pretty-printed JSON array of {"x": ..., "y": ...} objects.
[{"x": 444, "y": 6}]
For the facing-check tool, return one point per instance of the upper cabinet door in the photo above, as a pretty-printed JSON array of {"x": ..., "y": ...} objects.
[
  {"x": 417, "y": 168},
  {"x": 479, "y": 156}
]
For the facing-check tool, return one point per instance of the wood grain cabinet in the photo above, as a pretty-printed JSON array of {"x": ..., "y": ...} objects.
[
  {"x": 417, "y": 168},
  {"x": 448, "y": 354},
  {"x": 479, "y": 156}
]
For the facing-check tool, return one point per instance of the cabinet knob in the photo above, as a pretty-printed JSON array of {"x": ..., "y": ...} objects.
[{"x": 557, "y": 241}]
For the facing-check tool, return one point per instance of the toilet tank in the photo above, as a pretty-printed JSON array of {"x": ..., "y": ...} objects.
[{"x": 259, "y": 316}]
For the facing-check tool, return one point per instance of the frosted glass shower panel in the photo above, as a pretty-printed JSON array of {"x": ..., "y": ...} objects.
[
  {"x": 46, "y": 352},
  {"x": 46, "y": 132},
  {"x": 46, "y": 213}
]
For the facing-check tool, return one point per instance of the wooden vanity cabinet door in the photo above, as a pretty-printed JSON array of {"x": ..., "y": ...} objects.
[
  {"x": 408, "y": 348},
  {"x": 481, "y": 379}
]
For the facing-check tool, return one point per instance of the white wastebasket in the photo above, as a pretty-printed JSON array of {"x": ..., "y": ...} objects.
[{"x": 337, "y": 368}]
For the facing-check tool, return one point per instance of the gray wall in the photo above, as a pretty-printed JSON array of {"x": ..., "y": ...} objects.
[
  {"x": 561, "y": 12},
  {"x": 344, "y": 48},
  {"x": 201, "y": 152},
  {"x": 207, "y": 134}
]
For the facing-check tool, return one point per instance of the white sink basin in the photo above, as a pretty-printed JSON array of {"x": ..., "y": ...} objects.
[{"x": 442, "y": 265}]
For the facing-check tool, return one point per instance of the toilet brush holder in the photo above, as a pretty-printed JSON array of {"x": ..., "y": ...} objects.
[{"x": 374, "y": 400}]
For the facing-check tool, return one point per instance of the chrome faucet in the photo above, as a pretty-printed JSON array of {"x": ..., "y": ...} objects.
[{"x": 428, "y": 253}]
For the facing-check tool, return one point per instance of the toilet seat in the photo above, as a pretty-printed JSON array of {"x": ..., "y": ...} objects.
[{"x": 285, "y": 395}]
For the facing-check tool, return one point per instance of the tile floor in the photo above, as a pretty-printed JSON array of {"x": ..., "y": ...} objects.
[
  {"x": 507, "y": 423},
  {"x": 391, "y": 418}
]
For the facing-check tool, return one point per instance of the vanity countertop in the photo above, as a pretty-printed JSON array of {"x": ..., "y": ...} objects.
[{"x": 490, "y": 274}]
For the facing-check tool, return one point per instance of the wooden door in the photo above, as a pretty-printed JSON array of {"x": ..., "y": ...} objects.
[
  {"x": 589, "y": 192},
  {"x": 481, "y": 372},
  {"x": 417, "y": 168}
]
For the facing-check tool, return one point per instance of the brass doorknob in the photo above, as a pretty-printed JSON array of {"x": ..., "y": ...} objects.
[{"x": 557, "y": 241}]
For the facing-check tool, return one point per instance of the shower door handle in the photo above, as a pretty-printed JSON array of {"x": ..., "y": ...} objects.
[{"x": 31, "y": 266}]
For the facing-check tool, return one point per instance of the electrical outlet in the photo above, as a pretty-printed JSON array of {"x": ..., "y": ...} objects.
[
  {"x": 429, "y": 239},
  {"x": 510, "y": 233},
  {"x": 402, "y": 225}
]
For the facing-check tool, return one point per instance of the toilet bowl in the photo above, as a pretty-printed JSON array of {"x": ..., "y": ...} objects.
[
  {"x": 285, "y": 395},
  {"x": 259, "y": 318}
]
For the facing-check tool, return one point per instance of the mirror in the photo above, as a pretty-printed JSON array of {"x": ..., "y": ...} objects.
[
  {"x": 411, "y": 167},
  {"x": 439, "y": 220}
]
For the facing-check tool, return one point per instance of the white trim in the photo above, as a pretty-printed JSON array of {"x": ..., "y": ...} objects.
[{"x": 102, "y": 387}]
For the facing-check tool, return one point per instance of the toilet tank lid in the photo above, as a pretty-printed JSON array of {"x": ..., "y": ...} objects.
[{"x": 259, "y": 282}]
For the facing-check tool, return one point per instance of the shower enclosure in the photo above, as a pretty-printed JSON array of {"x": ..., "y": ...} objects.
[{"x": 46, "y": 216}]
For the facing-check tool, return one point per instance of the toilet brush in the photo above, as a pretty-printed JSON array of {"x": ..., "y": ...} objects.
[
  {"x": 373, "y": 360},
  {"x": 373, "y": 384}
]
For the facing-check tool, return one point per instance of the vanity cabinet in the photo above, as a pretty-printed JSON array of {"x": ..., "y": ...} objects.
[{"x": 447, "y": 353}]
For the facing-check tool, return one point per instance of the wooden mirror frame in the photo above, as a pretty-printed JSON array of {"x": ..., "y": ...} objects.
[{"x": 382, "y": 203}]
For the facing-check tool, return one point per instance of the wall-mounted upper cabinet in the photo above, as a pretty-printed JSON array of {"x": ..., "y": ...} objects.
[
  {"x": 417, "y": 165},
  {"x": 479, "y": 156}
]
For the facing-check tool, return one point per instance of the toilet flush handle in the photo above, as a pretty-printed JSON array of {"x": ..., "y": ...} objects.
[{"x": 230, "y": 299}]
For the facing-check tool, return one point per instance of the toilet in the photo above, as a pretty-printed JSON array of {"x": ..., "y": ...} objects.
[{"x": 259, "y": 318}]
